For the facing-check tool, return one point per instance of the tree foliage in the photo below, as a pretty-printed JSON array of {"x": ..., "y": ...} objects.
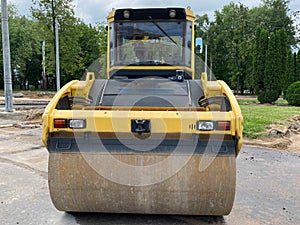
[
  {"x": 272, "y": 86},
  {"x": 46, "y": 12},
  {"x": 291, "y": 72},
  {"x": 249, "y": 48},
  {"x": 293, "y": 94},
  {"x": 80, "y": 44},
  {"x": 298, "y": 66},
  {"x": 259, "y": 59},
  {"x": 270, "y": 64},
  {"x": 25, "y": 51},
  {"x": 230, "y": 45}
]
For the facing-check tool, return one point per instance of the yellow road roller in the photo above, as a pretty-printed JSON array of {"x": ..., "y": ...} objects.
[{"x": 149, "y": 137}]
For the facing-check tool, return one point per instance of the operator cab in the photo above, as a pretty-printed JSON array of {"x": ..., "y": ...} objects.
[{"x": 150, "y": 42}]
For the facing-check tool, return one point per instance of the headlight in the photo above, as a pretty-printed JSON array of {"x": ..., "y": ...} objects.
[
  {"x": 172, "y": 13},
  {"x": 208, "y": 125},
  {"x": 205, "y": 125},
  {"x": 77, "y": 123},
  {"x": 126, "y": 14}
]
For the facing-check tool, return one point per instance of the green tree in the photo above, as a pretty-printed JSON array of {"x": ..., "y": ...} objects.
[
  {"x": 203, "y": 25},
  {"x": 46, "y": 12},
  {"x": 259, "y": 59},
  {"x": 102, "y": 37},
  {"x": 283, "y": 47},
  {"x": 25, "y": 52},
  {"x": 291, "y": 70},
  {"x": 298, "y": 66},
  {"x": 272, "y": 86},
  {"x": 92, "y": 43},
  {"x": 239, "y": 49},
  {"x": 274, "y": 15},
  {"x": 293, "y": 94},
  {"x": 203, "y": 30},
  {"x": 278, "y": 16},
  {"x": 231, "y": 42},
  {"x": 218, "y": 48},
  {"x": 88, "y": 42}
]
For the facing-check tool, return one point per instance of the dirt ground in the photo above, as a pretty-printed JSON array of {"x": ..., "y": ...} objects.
[
  {"x": 24, "y": 160},
  {"x": 290, "y": 144},
  {"x": 35, "y": 95}
]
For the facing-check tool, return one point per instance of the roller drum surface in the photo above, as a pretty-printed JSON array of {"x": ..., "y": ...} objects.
[{"x": 203, "y": 186}]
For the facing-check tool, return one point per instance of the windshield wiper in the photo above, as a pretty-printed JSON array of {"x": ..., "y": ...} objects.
[{"x": 162, "y": 30}]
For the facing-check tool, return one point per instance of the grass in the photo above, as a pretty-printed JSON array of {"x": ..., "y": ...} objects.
[{"x": 258, "y": 117}]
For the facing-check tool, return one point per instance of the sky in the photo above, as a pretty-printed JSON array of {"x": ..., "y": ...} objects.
[{"x": 92, "y": 11}]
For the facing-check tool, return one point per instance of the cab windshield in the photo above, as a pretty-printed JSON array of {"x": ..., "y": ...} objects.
[{"x": 151, "y": 43}]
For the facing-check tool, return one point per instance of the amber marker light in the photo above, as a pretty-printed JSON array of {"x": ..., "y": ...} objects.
[
  {"x": 223, "y": 125},
  {"x": 60, "y": 123}
]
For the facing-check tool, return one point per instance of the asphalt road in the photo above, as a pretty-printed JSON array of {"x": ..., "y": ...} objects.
[{"x": 268, "y": 188}]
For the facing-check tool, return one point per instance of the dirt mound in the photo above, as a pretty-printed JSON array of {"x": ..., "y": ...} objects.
[
  {"x": 37, "y": 95},
  {"x": 34, "y": 114},
  {"x": 286, "y": 129},
  {"x": 282, "y": 136}
]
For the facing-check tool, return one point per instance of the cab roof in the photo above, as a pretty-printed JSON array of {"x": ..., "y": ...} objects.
[{"x": 154, "y": 13}]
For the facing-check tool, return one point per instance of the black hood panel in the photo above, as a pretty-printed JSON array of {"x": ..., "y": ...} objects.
[{"x": 146, "y": 92}]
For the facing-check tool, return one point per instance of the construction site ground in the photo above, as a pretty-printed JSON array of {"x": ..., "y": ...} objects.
[{"x": 267, "y": 190}]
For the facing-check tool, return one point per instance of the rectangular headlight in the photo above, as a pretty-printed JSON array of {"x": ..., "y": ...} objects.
[
  {"x": 77, "y": 123},
  {"x": 205, "y": 125}
]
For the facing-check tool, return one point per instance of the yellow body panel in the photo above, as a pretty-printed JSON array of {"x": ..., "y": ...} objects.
[
  {"x": 239, "y": 120},
  {"x": 161, "y": 121},
  {"x": 46, "y": 120},
  {"x": 82, "y": 88}
]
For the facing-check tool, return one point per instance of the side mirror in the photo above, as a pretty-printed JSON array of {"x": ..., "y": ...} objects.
[{"x": 199, "y": 46}]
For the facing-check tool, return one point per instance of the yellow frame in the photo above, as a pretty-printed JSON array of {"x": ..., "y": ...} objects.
[{"x": 189, "y": 17}]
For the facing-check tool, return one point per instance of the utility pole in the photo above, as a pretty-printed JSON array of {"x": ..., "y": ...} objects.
[
  {"x": 211, "y": 63},
  {"x": 57, "y": 56},
  {"x": 44, "y": 76},
  {"x": 6, "y": 58},
  {"x": 206, "y": 58}
]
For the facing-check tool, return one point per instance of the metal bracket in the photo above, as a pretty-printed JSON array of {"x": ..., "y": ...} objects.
[{"x": 140, "y": 126}]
